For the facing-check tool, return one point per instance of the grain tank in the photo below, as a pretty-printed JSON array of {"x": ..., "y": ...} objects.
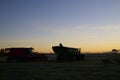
[{"x": 68, "y": 53}]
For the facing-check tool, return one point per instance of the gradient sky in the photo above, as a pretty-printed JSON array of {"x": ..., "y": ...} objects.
[{"x": 92, "y": 25}]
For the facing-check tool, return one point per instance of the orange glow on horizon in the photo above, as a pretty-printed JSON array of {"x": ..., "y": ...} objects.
[{"x": 83, "y": 49}]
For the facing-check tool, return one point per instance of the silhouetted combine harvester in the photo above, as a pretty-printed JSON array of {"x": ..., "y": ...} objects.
[
  {"x": 23, "y": 54},
  {"x": 68, "y": 53}
]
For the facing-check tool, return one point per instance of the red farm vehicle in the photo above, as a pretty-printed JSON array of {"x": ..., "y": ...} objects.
[{"x": 23, "y": 54}]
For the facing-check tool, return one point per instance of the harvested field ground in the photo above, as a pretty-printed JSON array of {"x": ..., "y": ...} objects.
[{"x": 52, "y": 70}]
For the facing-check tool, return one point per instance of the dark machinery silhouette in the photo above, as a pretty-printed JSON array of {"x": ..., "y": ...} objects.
[
  {"x": 23, "y": 54},
  {"x": 68, "y": 53}
]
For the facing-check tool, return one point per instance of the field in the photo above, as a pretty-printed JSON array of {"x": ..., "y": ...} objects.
[{"x": 53, "y": 70}]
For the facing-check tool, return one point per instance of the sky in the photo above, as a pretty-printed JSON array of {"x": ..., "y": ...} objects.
[{"x": 92, "y": 25}]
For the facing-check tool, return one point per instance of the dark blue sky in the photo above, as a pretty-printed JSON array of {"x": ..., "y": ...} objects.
[{"x": 43, "y": 23}]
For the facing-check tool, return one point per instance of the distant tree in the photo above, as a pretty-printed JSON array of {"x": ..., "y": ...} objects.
[
  {"x": 2, "y": 50},
  {"x": 114, "y": 50}
]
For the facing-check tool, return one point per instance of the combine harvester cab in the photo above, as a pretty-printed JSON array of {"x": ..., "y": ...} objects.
[{"x": 68, "y": 53}]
